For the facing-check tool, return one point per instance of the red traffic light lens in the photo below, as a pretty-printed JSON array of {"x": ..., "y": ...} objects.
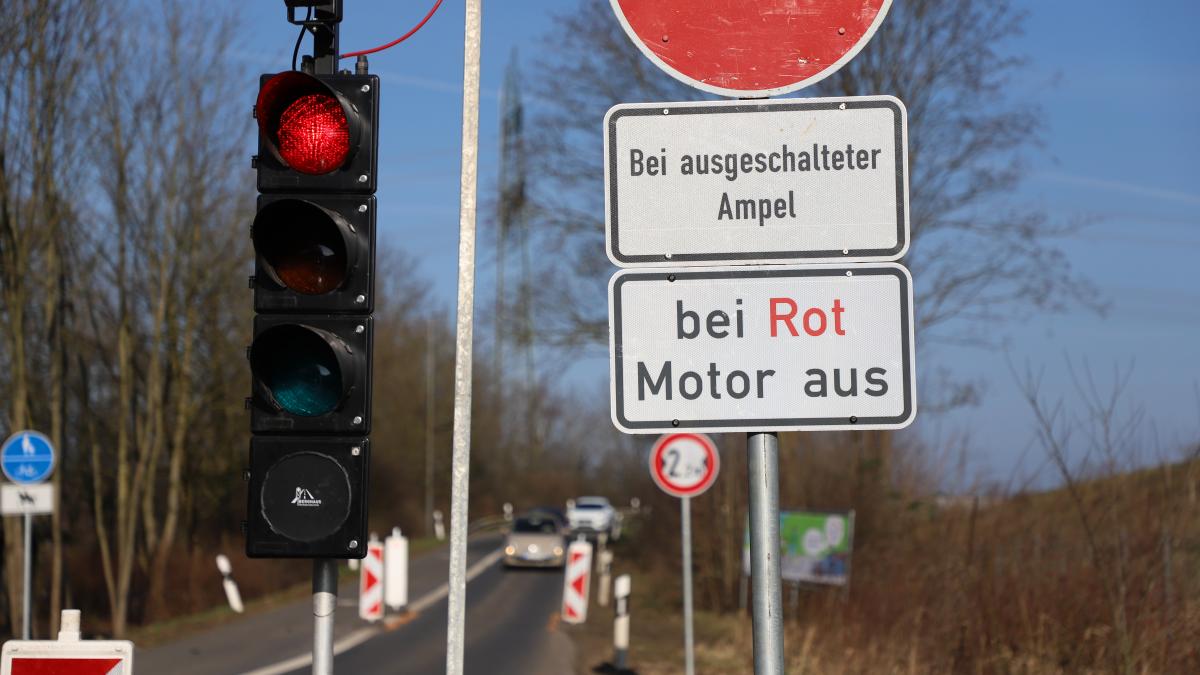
[
  {"x": 303, "y": 245},
  {"x": 306, "y": 123},
  {"x": 314, "y": 136}
]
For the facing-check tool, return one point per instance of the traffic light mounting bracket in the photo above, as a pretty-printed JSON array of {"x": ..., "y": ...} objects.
[{"x": 327, "y": 14}]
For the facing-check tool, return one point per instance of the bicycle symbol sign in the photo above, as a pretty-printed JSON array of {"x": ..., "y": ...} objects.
[
  {"x": 27, "y": 457},
  {"x": 684, "y": 465}
]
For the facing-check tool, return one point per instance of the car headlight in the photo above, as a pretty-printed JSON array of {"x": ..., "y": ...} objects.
[
  {"x": 558, "y": 550},
  {"x": 510, "y": 550}
]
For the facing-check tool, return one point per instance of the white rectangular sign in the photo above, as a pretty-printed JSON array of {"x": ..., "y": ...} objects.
[
  {"x": 36, "y": 498},
  {"x": 751, "y": 182},
  {"x": 771, "y": 348}
]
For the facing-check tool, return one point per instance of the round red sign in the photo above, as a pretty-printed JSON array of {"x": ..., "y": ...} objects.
[
  {"x": 684, "y": 465},
  {"x": 750, "y": 48}
]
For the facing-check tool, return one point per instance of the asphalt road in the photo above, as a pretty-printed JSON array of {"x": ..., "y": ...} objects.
[{"x": 511, "y": 628}]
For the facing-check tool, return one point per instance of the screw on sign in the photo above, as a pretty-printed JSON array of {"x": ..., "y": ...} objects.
[
  {"x": 576, "y": 582},
  {"x": 763, "y": 48},
  {"x": 370, "y": 587}
]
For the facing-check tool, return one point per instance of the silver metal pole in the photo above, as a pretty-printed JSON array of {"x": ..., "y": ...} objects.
[
  {"x": 461, "y": 457},
  {"x": 430, "y": 402},
  {"x": 28, "y": 599},
  {"x": 324, "y": 586},
  {"x": 763, "y": 464},
  {"x": 685, "y": 516}
]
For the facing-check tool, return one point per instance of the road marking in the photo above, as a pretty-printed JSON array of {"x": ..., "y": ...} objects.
[{"x": 363, "y": 634}]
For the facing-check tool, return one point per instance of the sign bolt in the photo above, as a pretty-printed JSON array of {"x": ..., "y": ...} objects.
[
  {"x": 358, "y": 419},
  {"x": 853, "y": 419},
  {"x": 666, "y": 38},
  {"x": 360, "y": 299},
  {"x": 674, "y": 423},
  {"x": 356, "y": 451},
  {"x": 841, "y": 31},
  {"x": 362, "y": 178},
  {"x": 353, "y": 544}
]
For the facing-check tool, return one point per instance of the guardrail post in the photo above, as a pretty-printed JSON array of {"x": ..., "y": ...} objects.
[{"x": 621, "y": 623}]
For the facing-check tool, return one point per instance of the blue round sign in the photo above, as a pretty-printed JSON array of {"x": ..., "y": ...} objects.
[{"x": 27, "y": 457}]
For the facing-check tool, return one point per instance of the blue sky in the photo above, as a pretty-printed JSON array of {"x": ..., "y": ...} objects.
[{"x": 1119, "y": 84}]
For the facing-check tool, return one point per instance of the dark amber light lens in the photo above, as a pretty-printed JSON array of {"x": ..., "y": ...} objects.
[
  {"x": 302, "y": 246},
  {"x": 314, "y": 136}
]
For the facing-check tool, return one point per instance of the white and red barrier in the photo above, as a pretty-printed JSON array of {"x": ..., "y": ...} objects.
[
  {"x": 68, "y": 655},
  {"x": 370, "y": 583},
  {"x": 395, "y": 560},
  {"x": 576, "y": 580}
]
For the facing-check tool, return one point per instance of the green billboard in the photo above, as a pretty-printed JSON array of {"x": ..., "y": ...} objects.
[{"x": 814, "y": 546}]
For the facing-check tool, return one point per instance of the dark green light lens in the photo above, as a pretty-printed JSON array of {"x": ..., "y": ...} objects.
[{"x": 301, "y": 370}]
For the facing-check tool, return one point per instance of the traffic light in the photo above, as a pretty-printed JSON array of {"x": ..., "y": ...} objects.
[{"x": 310, "y": 359}]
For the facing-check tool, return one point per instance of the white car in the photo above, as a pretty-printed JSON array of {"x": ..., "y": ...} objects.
[{"x": 591, "y": 515}]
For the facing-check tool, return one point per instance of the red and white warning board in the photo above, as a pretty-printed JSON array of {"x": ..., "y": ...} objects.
[
  {"x": 576, "y": 582},
  {"x": 82, "y": 657},
  {"x": 370, "y": 583}
]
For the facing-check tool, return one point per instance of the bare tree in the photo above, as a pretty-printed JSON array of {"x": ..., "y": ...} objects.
[
  {"x": 44, "y": 55},
  {"x": 174, "y": 208},
  {"x": 1100, "y": 441}
]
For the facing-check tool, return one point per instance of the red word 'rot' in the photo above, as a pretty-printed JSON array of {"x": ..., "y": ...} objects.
[{"x": 814, "y": 321}]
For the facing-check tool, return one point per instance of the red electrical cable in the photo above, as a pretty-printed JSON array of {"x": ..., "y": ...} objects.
[{"x": 398, "y": 40}]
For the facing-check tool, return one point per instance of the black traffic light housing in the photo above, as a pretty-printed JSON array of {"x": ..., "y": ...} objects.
[
  {"x": 282, "y": 96},
  {"x": 311, "y": 374},
  {"x": 314, "y": 253},
  {"x": 306, "y": 498},
  {"x": 314, "y": 276}
]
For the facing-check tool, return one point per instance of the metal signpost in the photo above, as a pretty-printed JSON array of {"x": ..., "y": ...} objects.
[
  {"x": 685, "y": 466},
  {"x": 725, "y": 190},
  {"x": 460, "y": 467},
  {"x": 27, "y": 458}
]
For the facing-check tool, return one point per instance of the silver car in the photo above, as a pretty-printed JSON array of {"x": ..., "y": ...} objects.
[{"x": 535, "y": 540}]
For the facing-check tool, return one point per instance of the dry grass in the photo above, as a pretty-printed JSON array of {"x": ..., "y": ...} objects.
[{"x": 1016, "y": 586}]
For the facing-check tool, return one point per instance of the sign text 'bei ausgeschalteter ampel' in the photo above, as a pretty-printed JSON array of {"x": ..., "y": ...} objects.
[
  {"x": 769, "y": 348},
  {"x": 736, "y": 182}
]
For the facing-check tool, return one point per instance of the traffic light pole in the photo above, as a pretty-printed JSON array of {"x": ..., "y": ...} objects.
[
  {"x": 324, "y": 28},
  {"x": 325, "y": 571},
  {"x": 325, "y": 576}
]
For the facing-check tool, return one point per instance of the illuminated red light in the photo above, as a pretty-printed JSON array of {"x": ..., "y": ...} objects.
[{"x": 313, "y": 134}]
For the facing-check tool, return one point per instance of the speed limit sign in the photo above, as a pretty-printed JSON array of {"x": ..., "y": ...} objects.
[{"x": 684, "y": 465}]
